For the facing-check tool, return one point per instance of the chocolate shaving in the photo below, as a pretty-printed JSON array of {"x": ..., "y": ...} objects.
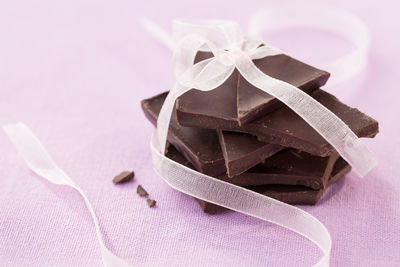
[
  {"x": 151, "y": 202},
  {"x": 141, "y": 192},
  {"x": 124, "y": 177}
]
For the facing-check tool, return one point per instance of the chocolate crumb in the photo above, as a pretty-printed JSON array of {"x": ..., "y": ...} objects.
[
  {"x": 123, "y": 177},
  {"x": 151, "y": 202},
  {"x": 140, "y": 190}
]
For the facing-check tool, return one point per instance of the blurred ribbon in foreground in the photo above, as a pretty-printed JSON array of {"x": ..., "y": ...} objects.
[{"x": 206, "y": 75}]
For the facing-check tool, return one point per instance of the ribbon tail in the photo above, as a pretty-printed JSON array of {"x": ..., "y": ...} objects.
[
  {"x": 37, "y": 158},
  {"x": 326, "y": 123},
  {"x": 242, "y": 200}
]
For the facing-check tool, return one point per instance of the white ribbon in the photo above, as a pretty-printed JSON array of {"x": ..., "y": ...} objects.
[
  {"x": 231, "y": 51},
  {"x": 242, "y": 200},
  {"x": 37, "y": 158},
  {"x": 328, "y": 18},
  {"x": 238, "y": 52},
  {"x": 185, "y": 180}
]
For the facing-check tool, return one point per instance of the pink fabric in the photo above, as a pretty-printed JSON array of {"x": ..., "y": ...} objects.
[{"x": 70, "y": 71}]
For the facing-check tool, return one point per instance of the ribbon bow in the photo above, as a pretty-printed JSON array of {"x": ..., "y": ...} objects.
[
  {"x": 231, "y": 49},
  {"x": 210, "y": 73}
]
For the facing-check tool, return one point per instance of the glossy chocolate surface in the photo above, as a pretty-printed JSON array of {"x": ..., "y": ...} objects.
[
  {"x": 295, "y": 195},
  {"x": 271, "y": 181},
  {"x": 243, "y": 102},
  {"x": 283, "y": 126},
  {"x": 200, "y": 146},
  {"x": 253, "y": 102},
  {"x": 242, "y": 151}
]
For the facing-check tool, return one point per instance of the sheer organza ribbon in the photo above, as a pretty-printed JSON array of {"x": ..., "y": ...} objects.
[
  {"x": 233, "y": 50},
  {"x": 39, "y": 161}
]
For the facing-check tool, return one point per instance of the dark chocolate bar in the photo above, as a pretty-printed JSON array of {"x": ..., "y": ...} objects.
[
  {"x": 247, "y": 102},
  {"x": 283, "y": 126},
  {"x": 292, "y": 167},
  {"x": 253, "y": 103},
  {"x": 242, "y": 151},
  {"x": 214, "y": 108},
  {"x": 295, "y": 195},
  {"x": 200, "y": 146},
  {"x": 193, "y": 143},
  {"x": 299, "y": 168},
  {"x": 275, "y": 183}
]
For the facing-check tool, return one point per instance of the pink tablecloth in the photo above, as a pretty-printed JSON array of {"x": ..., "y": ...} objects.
[{"x": 75, "y": 72}]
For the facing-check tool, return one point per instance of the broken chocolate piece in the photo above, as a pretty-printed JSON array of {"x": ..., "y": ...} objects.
[
  {"x": 253, "y": 103},
  {"x": 306, "y": 169},
  {"x": 213, "y": 108},
  {"x": 309, "y": 170},
  {"x": 141, "y": 192},
  {"x": 151, "y": 202},
  {"x": 265, "y": 174},
  {"x": 283, "y": 126},
  {"x": 289, "y": 194},
  {"x": 242, "y": 151},
  {"x": 246, "y": 101},
  {"x": 123, "y": 177},
  {"x": 304, "y": 195},
  {"x": 200, "y": 146}
]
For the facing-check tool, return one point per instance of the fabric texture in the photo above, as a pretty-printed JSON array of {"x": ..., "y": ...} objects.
[{"x": 69, "y": 70}]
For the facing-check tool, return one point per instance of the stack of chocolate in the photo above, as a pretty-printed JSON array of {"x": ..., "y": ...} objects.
[{"x": 242, "y": 135}]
